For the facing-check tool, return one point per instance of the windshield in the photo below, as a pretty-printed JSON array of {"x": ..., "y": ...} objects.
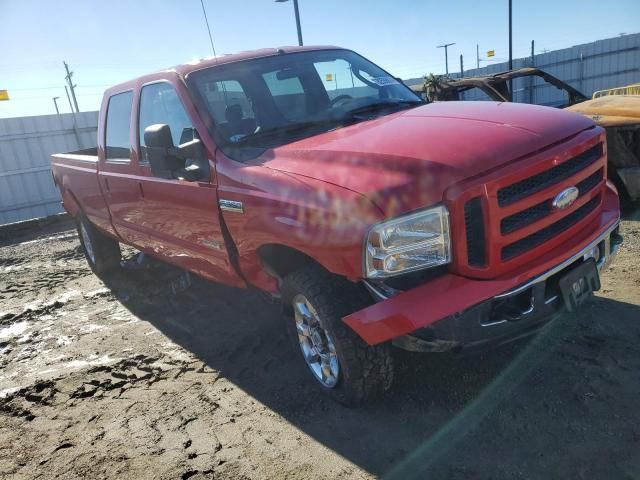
[{"x": 274, "y": 100}]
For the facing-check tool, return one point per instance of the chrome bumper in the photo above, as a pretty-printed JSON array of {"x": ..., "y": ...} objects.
[
  {"x": 604, "y": 248},
  {"x": 510, "y": 315}
]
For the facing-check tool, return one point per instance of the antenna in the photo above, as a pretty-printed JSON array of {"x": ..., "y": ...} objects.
[{"x": 204, "y": 12}]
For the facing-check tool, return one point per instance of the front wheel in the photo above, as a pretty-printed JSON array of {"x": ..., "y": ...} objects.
[
  {"x": 340, "y": 362},
  {"x": 102, "y": 252}
]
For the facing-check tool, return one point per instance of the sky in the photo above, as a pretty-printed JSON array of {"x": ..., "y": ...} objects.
[{"x": 106, "y": 42}]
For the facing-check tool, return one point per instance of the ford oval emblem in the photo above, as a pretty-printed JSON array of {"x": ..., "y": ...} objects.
[{"x": 565, "y": 198}]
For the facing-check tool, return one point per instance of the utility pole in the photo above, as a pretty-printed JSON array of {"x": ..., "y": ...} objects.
[
  {"x": 68, "y": 98},
  {"x": 477, "y": 56},
  {"x": 533, "y": 54},
  {"x": 296, "y": 11},
  {"x": 55, "y": 102},
  {"x": 532, "y": 82},
  {"x": 510, "y": 37},
  {"x": 71, "y": 86},
  {"x": 461, "y": 67},
  {"x": 510, "y": 48},
  {"x": 446, "y": 56}
]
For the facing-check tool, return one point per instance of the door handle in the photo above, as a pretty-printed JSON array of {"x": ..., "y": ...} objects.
[
  {"x": 106, "y": 184},
  {"x": 141, "y": 190}
]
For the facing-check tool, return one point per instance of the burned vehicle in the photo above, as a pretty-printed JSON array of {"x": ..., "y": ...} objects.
[{"x": 618, "y": 114}]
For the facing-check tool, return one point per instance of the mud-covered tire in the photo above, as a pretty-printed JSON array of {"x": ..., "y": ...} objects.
[
  {"x": 365, "y": 372},
  {"x": 102, "y": 252}
]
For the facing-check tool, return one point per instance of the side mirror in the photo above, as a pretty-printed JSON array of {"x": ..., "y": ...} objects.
[
  {"x": 159, "y": 149},
  {"x": 196, "y": 165}
]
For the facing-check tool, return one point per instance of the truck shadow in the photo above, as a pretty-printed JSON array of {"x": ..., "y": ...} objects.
[{"x": 448, "y": 415}]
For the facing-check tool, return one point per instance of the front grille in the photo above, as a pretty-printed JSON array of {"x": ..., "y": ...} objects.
[
  {"x": 589, "y": 183},
  {"x": 548, "y": 178},
  {"x": 531, "y": 215},
  {"x": 525, "y": 217},
  {"x": 511, "y": 218},
  {"x": 474, "y": 226},
  {"x": 527, "y": 243}
]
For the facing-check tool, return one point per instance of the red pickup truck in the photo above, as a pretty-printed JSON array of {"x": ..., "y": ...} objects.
[{"x": 378, "y": 219}]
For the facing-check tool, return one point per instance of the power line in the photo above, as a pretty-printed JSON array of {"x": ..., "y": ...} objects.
[
  {"x": 40, "y": 97},
  {"x": 58, "y": 87}
]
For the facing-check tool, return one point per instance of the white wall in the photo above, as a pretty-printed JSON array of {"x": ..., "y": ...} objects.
[{"x": 26, "y": 185}]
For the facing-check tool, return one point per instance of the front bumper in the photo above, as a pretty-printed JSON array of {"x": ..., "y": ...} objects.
[{"x": 453, "y": 311}]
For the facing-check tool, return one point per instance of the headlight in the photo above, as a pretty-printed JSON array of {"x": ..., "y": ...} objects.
[{"x": 407, "y": 243}]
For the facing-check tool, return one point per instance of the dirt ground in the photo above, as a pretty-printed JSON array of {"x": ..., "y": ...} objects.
[{"x": 127, "y": 379}]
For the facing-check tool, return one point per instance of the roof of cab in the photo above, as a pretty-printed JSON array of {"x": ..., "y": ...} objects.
[{"x": 186, "y": 68}]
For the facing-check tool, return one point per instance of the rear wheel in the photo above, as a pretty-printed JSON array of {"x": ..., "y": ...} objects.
[
  {"x": 102, "y": 252},
  {"x": 340, "y": 362}
]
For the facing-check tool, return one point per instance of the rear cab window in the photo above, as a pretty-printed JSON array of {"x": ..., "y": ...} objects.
[{"x": 118, "y": 124}]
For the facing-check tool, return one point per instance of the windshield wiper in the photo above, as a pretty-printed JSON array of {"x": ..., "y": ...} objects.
[
  {"x": 290, "y": 130},
  {"x": 379, "y": 106}
]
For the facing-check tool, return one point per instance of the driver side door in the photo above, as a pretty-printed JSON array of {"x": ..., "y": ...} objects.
[{"x": 180, "y": 220}]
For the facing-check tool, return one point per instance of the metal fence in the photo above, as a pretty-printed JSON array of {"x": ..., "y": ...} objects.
[
  {"x": 589, "y": 67},
  {"x": 26, "y": 185}
]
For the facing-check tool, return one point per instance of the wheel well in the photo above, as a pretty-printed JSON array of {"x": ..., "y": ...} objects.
[{"x": 280, "y": 260}]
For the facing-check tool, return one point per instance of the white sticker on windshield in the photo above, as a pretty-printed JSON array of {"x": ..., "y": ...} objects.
[{"x": 384, "y": 81}]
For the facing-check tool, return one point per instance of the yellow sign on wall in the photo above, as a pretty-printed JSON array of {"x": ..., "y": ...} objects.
[
  {"x": 4, "y": 95},
  {"x": 491, "y": 53},
  {"x": 329, "y": 77}
]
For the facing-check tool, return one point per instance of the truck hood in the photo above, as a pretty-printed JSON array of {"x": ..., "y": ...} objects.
[
  {"x": 611, "y": 111},
  {"x": 414, "y": 155}
]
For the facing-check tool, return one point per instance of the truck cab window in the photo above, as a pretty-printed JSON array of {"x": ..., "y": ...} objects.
[
  {"x": 292, "y": 96},
  {"x": 288, "y": 94},
  {"x": 159, "y": 103},
  {"x": 338, "y": 79},
  {"x": 231, "y": 107},
  {"x": 117, "y": 127}
]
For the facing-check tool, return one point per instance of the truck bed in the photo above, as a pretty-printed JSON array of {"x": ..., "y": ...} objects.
[{"x": 76, "y": 175}]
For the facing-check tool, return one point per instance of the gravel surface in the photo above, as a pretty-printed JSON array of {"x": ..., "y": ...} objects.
[{"x": 125, "y": 378}]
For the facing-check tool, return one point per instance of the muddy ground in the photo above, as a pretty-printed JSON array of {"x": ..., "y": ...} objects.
[{"x": 127, "y": 379}]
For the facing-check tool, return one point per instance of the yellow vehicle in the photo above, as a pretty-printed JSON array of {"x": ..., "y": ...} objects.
[
  {"x": 628, "y": 90},
  {"x": 620, "y": 116},
  {"x": 617, "y": 112}
]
